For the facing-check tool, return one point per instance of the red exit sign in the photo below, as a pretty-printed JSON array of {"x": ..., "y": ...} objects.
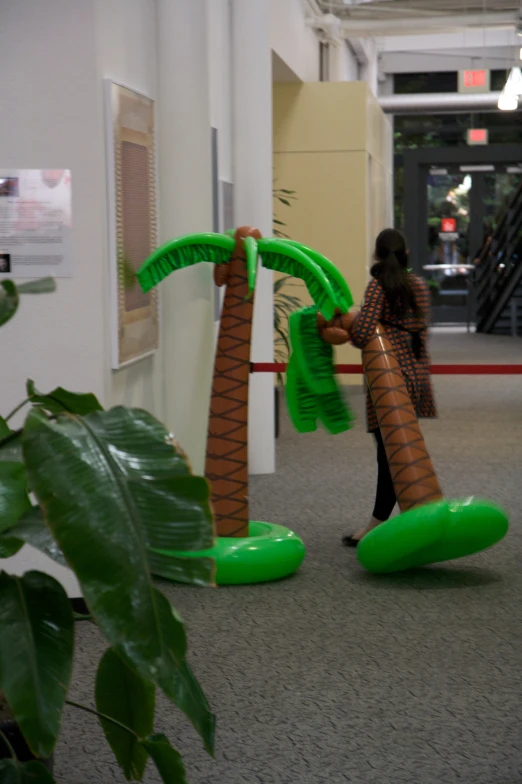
[
  {"x": 474, "y": 78},
  {"x": 477, "y": 136},
  {"x": 474, "y": 81},
  {"x": 448, "y": 225}
]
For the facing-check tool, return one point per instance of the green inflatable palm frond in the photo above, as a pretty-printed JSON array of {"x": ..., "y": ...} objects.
[
  {"x": 251, "y": 252},
  {"x": 184, "y": 252},
  {"x": 286, "y": 258},
  {"x": 336, "y": 278},
  {"x": 313, "y": 392}
]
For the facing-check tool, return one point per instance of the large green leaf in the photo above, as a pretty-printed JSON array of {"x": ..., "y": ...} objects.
[
  {"x": 14, "y": 772},
  {"x": 14, "y": 501},
  {"x": 194, "y": 571},
  {"x": 184, "y": 252},
  {"x": 31, "y": 529},
  {"x": 124, "y": 696},
  {"x": 9, "y": 546},
  {"x": 9, "y": 300},
  {"x": 61, "y": 399},
  {"x": 186, "y": 693},
  {"x": 36, "y": 649},
  {"x": 101, "y": 481},
  {"x": 167, "y": 760},
  {"x": 10, "y": 443},
  {"x": 284, "y": 257},
  {"x": 175, "y": 511},
  {"x": 4, "y": 428}
]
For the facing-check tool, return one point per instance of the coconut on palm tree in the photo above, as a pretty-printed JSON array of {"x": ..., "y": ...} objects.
[{"x": 236, "y": 260}]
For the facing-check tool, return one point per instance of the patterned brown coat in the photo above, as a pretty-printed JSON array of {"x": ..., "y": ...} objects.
[{"x": 416, "y": 372}]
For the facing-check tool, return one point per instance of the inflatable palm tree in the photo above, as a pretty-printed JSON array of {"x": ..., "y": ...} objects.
[{"x": 236, "y": 260}]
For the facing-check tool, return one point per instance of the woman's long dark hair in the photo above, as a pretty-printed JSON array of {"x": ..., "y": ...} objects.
[{"x": 391, "y": 270}]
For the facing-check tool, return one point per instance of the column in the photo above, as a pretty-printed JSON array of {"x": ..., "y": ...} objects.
[
  {"x": 252, "y": 134},
  {"x": 185, "y": 206}
]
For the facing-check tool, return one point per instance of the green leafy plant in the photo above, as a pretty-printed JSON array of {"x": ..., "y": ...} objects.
[
  {"x": 284, "y": 197},
  {"x": 97, "y": 490}
]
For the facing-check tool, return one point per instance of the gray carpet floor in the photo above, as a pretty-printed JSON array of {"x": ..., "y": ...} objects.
[{"x": 338, "y": 676}]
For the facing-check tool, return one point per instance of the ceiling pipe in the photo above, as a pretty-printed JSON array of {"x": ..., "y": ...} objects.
[
  {"x": 360, "y": 49},
  {"x": 355, "y": 5},
  {"x": 438, "y": 102},
  {"x": 371, "y": 28}
]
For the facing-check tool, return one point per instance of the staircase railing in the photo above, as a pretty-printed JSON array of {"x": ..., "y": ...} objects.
[{"x": 499, "y": 266}]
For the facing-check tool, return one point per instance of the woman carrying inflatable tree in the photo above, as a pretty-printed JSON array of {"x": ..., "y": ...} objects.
[
  {"x": 391, "y": 331},
  {"x": 400, "y": 301},
  {"x": 245, "y": 551}
]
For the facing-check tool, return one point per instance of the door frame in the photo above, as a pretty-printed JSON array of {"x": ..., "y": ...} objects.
[{"x": 417, "y": 164}]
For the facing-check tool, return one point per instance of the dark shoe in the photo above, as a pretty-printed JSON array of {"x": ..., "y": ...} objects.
[{"x": 349, "y": 541}]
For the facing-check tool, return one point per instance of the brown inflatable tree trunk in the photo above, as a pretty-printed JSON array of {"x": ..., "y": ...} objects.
[
  {"x": 227, "y": 445},
  {"x": 413, "y": 475}
]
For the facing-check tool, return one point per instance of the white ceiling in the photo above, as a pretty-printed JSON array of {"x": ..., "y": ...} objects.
[{"x": 436, "y": 35}]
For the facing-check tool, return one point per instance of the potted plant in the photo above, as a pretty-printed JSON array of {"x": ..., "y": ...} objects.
[{"x": 99, "y": 490}]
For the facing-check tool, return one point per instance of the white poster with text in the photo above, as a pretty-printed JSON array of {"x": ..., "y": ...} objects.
[{"x": 35, "y": 223}]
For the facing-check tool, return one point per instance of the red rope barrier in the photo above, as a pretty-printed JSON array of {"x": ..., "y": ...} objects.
[{"x": 438, "y": 370}]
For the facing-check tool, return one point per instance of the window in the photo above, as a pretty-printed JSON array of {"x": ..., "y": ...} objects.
[{"x": 439, "y": 82}]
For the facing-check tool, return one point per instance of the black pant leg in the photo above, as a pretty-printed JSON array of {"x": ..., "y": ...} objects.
[{"x": 385, "y": 498}]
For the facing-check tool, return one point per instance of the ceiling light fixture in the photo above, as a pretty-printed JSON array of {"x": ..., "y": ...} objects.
[{"x": 508, "y": 101}]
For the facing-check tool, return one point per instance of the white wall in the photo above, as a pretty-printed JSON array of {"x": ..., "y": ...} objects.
[
  {"x": 56, "y": 54},
  {"x": 344, "y": 66},
  {"x": 370, "y": 70},
  {"x": 292, "y": 40},
  {"x": 185, "y": 206},
  {"x": 220, "y": 81},
  {"x": 219, "y": 45},
  {"x": 49, "y": 91},
  {"x": 55, "y": 99}
]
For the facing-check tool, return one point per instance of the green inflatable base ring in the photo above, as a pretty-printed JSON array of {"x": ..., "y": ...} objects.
[
  {"x": 270, "y": 552},
  {"x": 435, "y": 532}
]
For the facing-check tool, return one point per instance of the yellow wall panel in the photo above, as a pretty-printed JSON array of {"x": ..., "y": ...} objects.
[
  {"x": 329, "y": 213},
  {"x": 324, "y": 116},
  {"x": 333, "y": 147}
]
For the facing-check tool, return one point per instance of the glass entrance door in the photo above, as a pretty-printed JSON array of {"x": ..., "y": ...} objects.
[
  {"x": 448, "y": 233},
  {"x": 464, "y": 206}
]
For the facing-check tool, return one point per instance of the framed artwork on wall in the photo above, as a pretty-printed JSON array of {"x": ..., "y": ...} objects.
[{"x": 131, "y": 171}]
